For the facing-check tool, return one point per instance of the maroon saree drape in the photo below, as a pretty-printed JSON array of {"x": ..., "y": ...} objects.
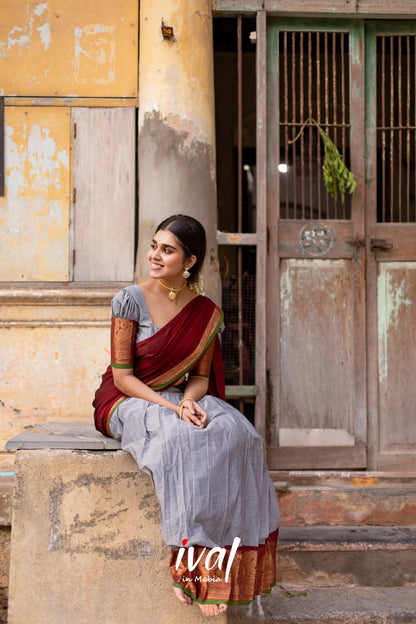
[{"x": 162, "y": 359}]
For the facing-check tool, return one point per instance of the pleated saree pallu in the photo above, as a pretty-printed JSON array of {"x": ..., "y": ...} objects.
[{"x": 212, "y": 484}]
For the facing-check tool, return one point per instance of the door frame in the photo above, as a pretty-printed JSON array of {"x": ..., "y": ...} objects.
[{"x": 312, "y": 457}]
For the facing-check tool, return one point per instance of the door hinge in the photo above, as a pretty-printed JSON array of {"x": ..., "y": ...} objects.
[
  {"x": 73, "y": 257},
  {"x": 75, "y": 130},
  {"x": 74, "y": 195}
]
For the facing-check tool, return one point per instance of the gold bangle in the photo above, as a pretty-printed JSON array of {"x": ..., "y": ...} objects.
[
  {"x": 180, "y": 405},
  {"x": 183, "y": 401}
]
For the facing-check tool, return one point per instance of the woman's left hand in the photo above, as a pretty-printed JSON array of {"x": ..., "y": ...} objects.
[{"x": 193, "y": 414}]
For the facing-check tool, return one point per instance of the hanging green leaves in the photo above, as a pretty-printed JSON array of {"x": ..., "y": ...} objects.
[
  {"x": 336, "y": 175},
  {"x": 334, "y": 170}
]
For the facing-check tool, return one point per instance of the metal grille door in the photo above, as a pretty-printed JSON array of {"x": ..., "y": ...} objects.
[
  {"x": 396, "y": 128},
  {"x": 314, "y": 87},
  {"x": 316, "y": 255}
]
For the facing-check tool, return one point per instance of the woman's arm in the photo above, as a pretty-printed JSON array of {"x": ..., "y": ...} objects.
[
  {"x": 123, "y": 333},
  {"x": 131, "y": 386},
  {"x": 196, "y": 388}
]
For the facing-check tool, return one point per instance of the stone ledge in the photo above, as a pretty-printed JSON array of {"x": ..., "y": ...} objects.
[
  {"x": 29, "y": 294},
  {"x": 347, "y": 556},
  {"x": 385, "y": 504},
  {"x": 71, "y": 436},
  {"x": 347, "y": 537},
  {"x": 352, "y": 479}
]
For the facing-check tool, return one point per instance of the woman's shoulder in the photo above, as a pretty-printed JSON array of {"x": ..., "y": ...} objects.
[{"x": 127, "y": 303}]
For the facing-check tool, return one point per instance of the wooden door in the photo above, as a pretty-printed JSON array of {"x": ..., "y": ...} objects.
[
  {"x": 316, "y": 261},
  {"x": 391, "y": 232},
  {"x": 104, "y": 193}
]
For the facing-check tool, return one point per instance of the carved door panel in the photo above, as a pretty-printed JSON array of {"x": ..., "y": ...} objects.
[{"x": 316, "y": 283}]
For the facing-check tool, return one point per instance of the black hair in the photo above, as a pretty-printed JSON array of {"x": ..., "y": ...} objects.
[{"x": 191, "y": 236}]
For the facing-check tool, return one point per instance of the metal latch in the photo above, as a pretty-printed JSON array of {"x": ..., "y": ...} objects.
[{"x": 380, "y": 244}]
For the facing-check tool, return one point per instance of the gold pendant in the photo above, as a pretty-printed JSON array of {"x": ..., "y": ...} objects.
[{"x": 172, "y": 295}]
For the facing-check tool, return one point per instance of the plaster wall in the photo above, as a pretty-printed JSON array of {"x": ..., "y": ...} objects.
[
  {"x": 56, "y": 56},
  {"x": 54, "y": 348},
  {"x": 66, "y": 48},
  {"x": 52, "y": 359},
  {"x": 177, "y": 124}
]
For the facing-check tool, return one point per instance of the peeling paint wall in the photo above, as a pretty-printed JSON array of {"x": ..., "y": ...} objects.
[
  {"x": 51, "y": 361},
  {"x": 176, "y": 179},
  {"x": 67, "y": 48},
  {"x": 54, "y": 347},
  {"x": 34, "y": 214},
  {"x": 177, "y": 124},
  {"x": 179, "y": 73}
]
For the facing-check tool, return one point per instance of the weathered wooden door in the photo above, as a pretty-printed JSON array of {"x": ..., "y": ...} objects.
[
  {"x": 391, "y": 241},
  {"x": 342, "y": 276},
  {"x": 316, "y": 284},
  {"x": 104, "y": 181}
]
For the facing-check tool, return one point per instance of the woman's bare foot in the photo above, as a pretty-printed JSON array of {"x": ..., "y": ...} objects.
[
  {"x": 182, "y": 597},
  {"x": 213, "y": 609}
]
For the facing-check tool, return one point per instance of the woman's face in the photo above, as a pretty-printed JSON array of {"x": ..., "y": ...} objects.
[{"x": 167, "y": 258}]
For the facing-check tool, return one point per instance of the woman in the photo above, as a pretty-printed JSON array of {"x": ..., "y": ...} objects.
[{"x": 163, "y": 397}]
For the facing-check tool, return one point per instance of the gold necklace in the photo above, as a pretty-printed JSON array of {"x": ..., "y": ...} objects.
[{"x": 173, "y": 291}]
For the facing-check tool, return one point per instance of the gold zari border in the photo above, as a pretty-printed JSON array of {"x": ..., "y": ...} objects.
[{"x": 123, "y": 342}]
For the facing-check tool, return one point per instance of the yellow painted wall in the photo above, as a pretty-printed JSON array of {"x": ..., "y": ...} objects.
[
  {"x": 34, "y": 214},
  {"x": 68, "y": 47},
  {"x": 52, "y": 354},
  {"x": 178, "y": 74},
  {"x": 54, "y": 340},
  {"x": 51, "y": 361},
  {"x": 177, "y": 111}
]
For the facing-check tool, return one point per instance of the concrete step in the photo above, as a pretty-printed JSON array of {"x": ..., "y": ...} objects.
[
  {"x": 340, "y": 556},
  {"x": 310, "y": 498},
  {"x": 329, "y": 605}
]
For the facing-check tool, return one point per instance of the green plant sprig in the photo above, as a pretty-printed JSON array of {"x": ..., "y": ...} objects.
[{"x": 336, "y": 175}]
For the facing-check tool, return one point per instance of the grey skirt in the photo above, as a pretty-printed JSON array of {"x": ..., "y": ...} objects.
[{"x": 212, "y": 484}]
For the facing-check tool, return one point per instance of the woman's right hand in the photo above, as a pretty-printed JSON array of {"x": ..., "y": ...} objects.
[{"x": 193, "y": 414}]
